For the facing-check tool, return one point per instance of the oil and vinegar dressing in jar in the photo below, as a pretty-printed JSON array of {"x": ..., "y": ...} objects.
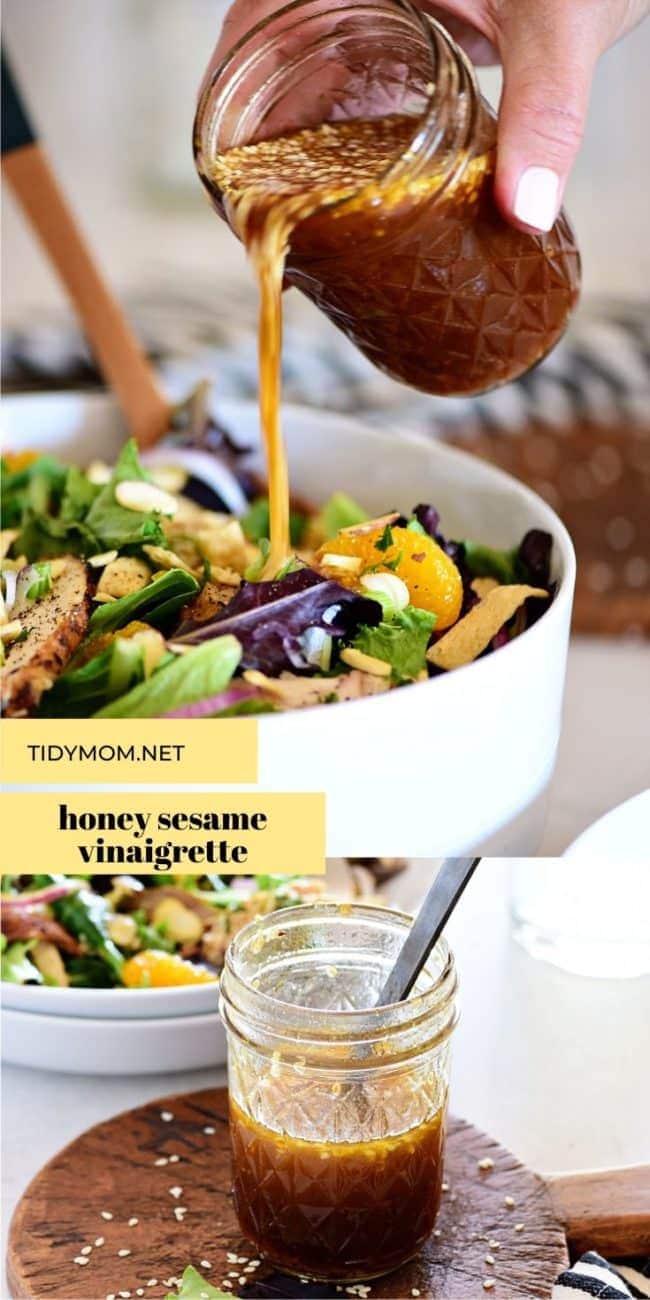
[
  {"x": 347, "y": 144},
  {"x": 337, "y": 1106}
]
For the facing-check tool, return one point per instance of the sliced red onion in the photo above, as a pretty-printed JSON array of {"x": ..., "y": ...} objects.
[
  {"x": 213, "y": 704},
  {"x": 38, "y": 897}
]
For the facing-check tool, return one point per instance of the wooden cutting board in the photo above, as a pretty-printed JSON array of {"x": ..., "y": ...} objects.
[{"x": 169, "y": 1215}]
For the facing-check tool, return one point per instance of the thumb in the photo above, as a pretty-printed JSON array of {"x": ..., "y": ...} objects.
[{"x": 549, "y": 54}]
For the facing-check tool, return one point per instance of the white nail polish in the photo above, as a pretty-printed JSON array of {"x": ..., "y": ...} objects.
[{"x": 536, "y": 200}]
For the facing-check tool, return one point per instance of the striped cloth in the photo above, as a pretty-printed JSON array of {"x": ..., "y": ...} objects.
[
  {"x": 591, "y": 1275},
  {"x": 600, "y": 371}
]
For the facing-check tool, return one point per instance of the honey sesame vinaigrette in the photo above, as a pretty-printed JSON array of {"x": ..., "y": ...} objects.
[{"x": 373, "y": 194}]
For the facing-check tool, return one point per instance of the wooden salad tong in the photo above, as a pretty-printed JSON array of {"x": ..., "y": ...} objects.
[{"x": 120, "y": 357}]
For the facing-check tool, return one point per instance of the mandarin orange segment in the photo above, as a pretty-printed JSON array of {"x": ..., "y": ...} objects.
[
  {"x": 161, "y": 970},
  {"x": 432, "y": 578}
]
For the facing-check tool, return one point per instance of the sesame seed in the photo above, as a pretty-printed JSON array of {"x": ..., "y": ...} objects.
[
  {"x": 153, "y": 1281},
  {"x": 445, "y": 1187},
  {"x": 414, "y": 1290},
  {"x": 85, "y": 1250},
  {"x": 242, "y": 1281},
  {"x": 140, "y": 1290},
  {"x": 173, "y": 1160},
  {"x": 99, "y": 1241},
  {"x": 209, "y": 1130},
  {"x": 488, "y": 1283},
  {"x": 110, "y": 1297},
  {"x": 494, "y": 1245},
  {"x": 176, "y": 1191},
  {"x": 255, "y": 1263},
  {"x": 132, "y": 1223},
  {"x": 180, "y": 1212},
  {"x": 166, "y": 1116},
  {"x": 436, "y": 1232},
  {"x": 235, "y": 1274},
  {"x": 205, "y": 1264},
  {"x": 124, "y": 1294},
  {"x": 519, "y": 1227},
  {"x": 489, "y": 1259},
  {"x": 242, "y": 1259},
  {"x": 162, "y": 1160},
  {"x": 106, "y": 1215},
  {"x": 123, "y": 1253},
  {"x": 485, "y": 1165},
  {"x": 232, "y": 1259},
  {"x": 81, "y": 1259},
  {"x": 510, "y": 1202},
  {"x": 226, "y": 1284}
]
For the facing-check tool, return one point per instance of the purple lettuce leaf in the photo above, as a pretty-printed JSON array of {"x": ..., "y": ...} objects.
[
  {"x": 534, "y": 557},
  {"x": 269, "y": 619}
]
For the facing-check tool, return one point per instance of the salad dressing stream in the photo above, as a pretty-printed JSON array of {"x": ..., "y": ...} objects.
[{"x": 269, "y": 189}]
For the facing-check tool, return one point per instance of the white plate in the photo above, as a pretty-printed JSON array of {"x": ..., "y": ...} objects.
[
  {"x": 456, "y": 763},
  {"x": 619, "y": 836},
  {"x": 79, "y": 1045}
]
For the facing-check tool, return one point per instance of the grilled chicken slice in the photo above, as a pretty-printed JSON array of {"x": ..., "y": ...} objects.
[{"x": 55, "y": 626}]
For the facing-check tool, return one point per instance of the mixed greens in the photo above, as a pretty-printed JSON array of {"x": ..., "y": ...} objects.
[
  {"x": 122, "y": 596},
  {"x": 131, "y": 931}
]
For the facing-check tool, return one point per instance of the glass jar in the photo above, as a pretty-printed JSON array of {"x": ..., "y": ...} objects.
[
  {"x": 426, "y": 277},
  {"x": 337, "y": 1106}
]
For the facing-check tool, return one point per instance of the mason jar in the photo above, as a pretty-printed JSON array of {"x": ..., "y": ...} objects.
[
  {"x": 337, "y": 1106},
  {"x": 419, "y": 269}
]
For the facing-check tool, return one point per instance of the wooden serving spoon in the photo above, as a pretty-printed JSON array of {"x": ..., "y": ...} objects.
[{"x": 121, "y": 359}]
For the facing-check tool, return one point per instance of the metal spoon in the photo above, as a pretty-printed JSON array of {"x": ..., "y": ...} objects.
[{"x": 452, "y": 878}]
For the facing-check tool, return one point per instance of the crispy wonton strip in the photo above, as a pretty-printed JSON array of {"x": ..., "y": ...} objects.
[{"x": 472, "y": 634}]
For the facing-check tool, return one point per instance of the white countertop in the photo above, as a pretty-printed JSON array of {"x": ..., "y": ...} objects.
[
  {"x": 549, "y": 1063},
  {"x": 603, "y": 754}
]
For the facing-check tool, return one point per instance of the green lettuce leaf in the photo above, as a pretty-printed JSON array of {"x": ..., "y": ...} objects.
[
  {"x": 194, "y": 1287},
  {"x": 115, "y": 526},
  {"x": 157, "y": 603},
  {"x": 256, "y": 522},
  {"x": 402, "y": 643},
  {"x": 203, "y": 671},
  {"x": 487, "y": 562},
  {"x": 79, "y": 692},
  {"x": 78, "y": 495},
  {"x": 15, "y": 966},
  {"x": 339, "y": 512}
]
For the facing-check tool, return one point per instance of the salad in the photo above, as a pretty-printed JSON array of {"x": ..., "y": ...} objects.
[
  {"x": 131, "y": 931},
  {"x": 126, "y": 593}
]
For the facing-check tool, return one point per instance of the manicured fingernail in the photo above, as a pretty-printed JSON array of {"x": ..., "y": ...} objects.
[{"x": 536, "y": 200}]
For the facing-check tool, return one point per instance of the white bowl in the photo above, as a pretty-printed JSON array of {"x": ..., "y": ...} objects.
[
  {"x": 460, "y": 762},
  {"x": 81, "y": 1045},
  {"x": 112, "y": 1004}
]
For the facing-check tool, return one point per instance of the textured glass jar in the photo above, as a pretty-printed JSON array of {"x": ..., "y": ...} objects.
[
  {"x": 429, "y": 281},
  {"x": 337, "y": 1106}
]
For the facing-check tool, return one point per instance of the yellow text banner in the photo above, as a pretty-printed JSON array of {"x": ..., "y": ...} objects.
[
  {"x": 79, "y": 751},
  {"x": 108, "y": 834}
]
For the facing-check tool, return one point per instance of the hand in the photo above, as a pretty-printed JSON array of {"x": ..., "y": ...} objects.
[{"x": 549, "y": 50}]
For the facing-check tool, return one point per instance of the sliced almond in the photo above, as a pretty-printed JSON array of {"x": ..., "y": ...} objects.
[
  {"x": 348, "y": 563},
  {"x": 135, "y": 494},
  {"x": 472, "y": 634},
  {"x": 99, "y": 473},
  {"x": 371, "y": 525},
  {"x": 102, "y": 558},
  {"x": 165, "y": 559},
  {"x": 365, "y": 663},
  {"x": 9, "y": 631}
]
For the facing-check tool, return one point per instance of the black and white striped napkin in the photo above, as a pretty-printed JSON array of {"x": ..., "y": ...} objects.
[{"x": 592, "y": 1275}]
